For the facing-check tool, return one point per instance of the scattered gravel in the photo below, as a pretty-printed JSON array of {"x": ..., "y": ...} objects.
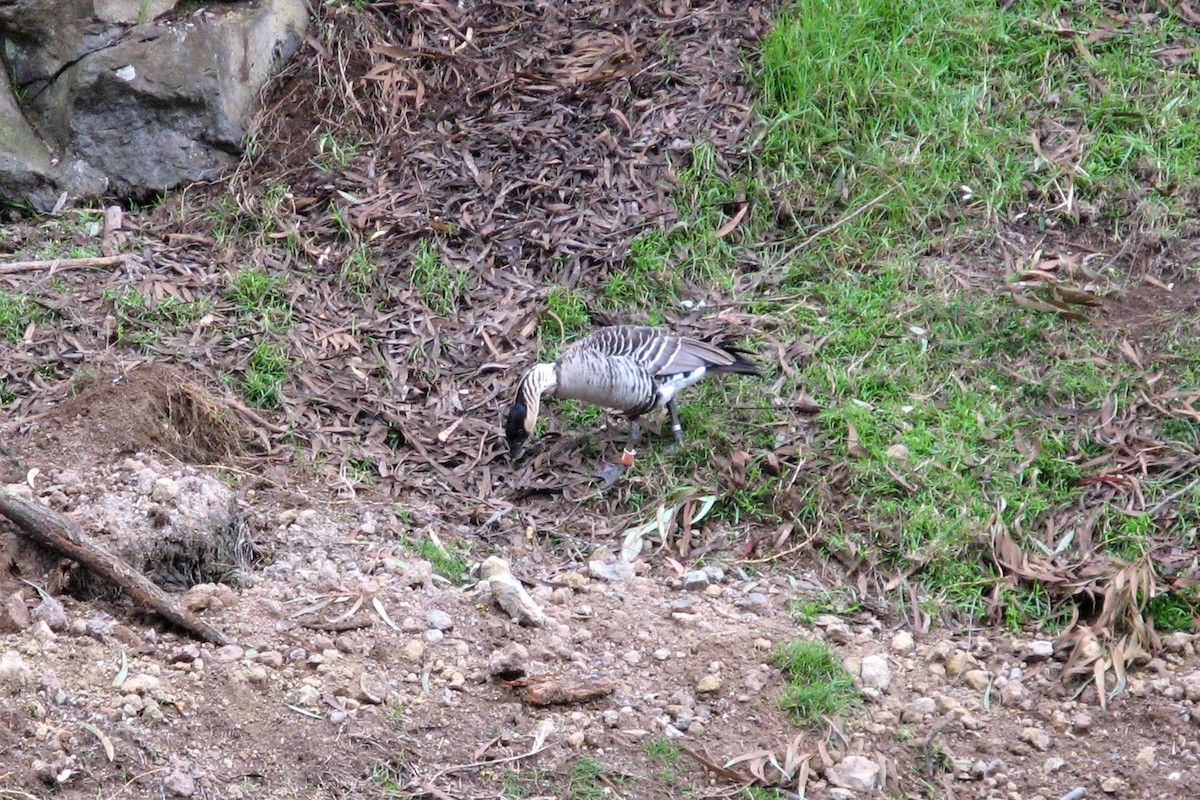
[{"x": 688, "y": 656}]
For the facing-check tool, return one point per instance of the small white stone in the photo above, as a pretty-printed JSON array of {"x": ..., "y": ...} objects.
[
  {"x": 140, "y": 684},
  {"x": 228, "y": 654},
  {"x": 1039, "y": 650},
  {"x": 308, "y": 695},
  {"x": 857, "y": 773},
  {"x": 165, "y": 490},
  {"x": 902, "y": 643},
  {"x": 440, "y": 620},
  {"x": 977, "y": 679},
  {"x": 1113, "y": 785},
  {"x": 14, "y": 674},
  {"x": 1036, "y": 737},
  {"x": 919, "y": 708},
  {"x": 179, "y": 783},
  {"x": 875, "y": 672}
]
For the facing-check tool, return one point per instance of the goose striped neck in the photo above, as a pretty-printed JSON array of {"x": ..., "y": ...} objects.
[{"x": 523, "y": 416}]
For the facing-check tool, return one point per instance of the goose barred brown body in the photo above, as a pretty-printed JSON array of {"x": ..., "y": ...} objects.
[{"x": 631, "y": 369}]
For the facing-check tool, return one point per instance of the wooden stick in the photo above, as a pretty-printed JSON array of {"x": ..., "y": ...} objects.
[
  {"x": 60, "y": 263},
  {"x": 53, "y": 531}
]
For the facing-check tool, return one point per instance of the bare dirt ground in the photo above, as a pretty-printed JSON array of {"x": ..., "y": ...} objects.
[{"x": 356, "y": 673}]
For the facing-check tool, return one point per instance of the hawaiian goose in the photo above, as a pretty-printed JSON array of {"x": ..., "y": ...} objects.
[{"x": 627, "y": 368}]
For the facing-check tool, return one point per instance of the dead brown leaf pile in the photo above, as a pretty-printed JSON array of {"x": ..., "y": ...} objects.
[
  {"x": 520, "y": 135},
  {"x": 1107, "y": 597}
]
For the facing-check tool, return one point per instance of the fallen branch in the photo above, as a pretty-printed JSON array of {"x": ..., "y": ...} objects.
[
  {"x": 53, "y": 531},
  {"x": 60, "y": 263}
]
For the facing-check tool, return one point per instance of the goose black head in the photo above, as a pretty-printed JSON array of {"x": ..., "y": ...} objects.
[{"x": 514, "y": 428}]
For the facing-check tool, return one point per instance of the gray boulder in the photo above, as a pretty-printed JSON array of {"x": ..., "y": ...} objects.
[{"x": 128, "y": 97}]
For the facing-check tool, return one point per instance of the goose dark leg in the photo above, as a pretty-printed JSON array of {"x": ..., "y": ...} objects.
[
  {"x": 610, "y": 472},
  {"x": 676, "y": 428}
]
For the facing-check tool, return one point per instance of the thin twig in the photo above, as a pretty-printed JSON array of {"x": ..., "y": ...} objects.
[
  {"x": 474, "y": 764},
  {"x": 254, "y": 416},
  {"x": 436, "y": 792},
  {"x": 833, "y": 226},
  {"x": 777, "y": 556},
  {"x": 60, "y": 263},
  {"x": 16, "y": 793},
  {"x": 1154, "y": 509},
  {"x": 717, "y": 769},
  {"x": 136, "y": 778}
]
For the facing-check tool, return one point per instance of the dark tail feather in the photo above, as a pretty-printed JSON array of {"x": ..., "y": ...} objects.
[{"x": 743, "y": 364}]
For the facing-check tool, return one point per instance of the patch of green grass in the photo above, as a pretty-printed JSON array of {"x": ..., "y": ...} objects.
[
  {"x": 143, "y": 322},
  {"x": 335, "y": 152},
  {"x": 451, "y": 561},
  {"x": 527, "y": 784},
  {"x": 226, "y": 220},
  {"x": 266, "y": 370},
  {"x": 839, "y": 602},
  {"x": 73, "y": 233},
  {"x": 7, "y": 395},
  {"x": 358, "y": 271},
  {"x": 17, "y": 313},
  {"x": 667, "y": 754},
  {"x": 938, "y": 103},
  {"x": 1175, "y": 610},
  {"x": 390, "y": 780},
  {"x": 589, "y": 779},
  {"x": 261, "y": 298},
  {"x": 58, "y": 250},
  {"x": 439, "y": 285},
  {"x": 663, "y": 750},
  {"x": 946, "y": 411},
  {"x": 1032, "y": 604},
  {"x": 578, "y": 415},
  {"x": 267, "y": 217},
  {"x": 565, "y": 318},
  {"x": 647, "y": 280},
  {"x": 760, "y": 793},
  {"x": 360, "y": 470},
  {"x": 818, "y": 685}
]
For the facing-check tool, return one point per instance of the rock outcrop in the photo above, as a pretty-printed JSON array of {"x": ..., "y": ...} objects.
[{"x": 129, "y": 98}]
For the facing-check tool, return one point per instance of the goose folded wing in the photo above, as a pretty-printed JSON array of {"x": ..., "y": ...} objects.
[
  {"x": 659, "y": 352},
  {"x": 685, "y": 354}
]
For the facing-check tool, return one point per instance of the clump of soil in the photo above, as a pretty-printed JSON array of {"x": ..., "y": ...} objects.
[
  {"x": 178, "y": 531},
  {"x": 149, "y": 407}
]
